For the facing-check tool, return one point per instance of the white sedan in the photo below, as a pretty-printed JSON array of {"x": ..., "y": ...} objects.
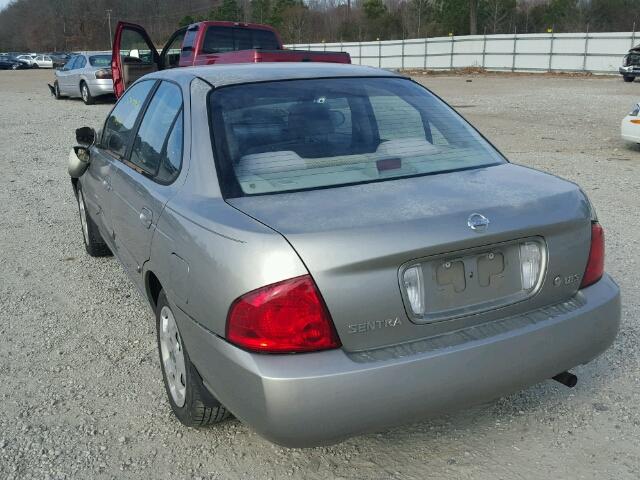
[
  {"x": 29, "y": 59},
  {"x": 43, "y": 61},
  {"x": 630, "y": 127}
]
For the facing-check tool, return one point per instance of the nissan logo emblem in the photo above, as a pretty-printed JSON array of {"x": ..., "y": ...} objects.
[{"x": 477, "y": 222}]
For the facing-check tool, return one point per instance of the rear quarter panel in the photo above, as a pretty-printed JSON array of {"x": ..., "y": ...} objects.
[{"x": 205, "y": 252}]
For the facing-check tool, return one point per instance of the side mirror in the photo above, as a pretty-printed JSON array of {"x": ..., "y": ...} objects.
[
  {"x": 86, "y": 136},
  {"x": 79, "y": 159}
]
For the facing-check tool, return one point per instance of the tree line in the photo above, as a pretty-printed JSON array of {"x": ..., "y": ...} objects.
[{"x": 54, "y": 25}]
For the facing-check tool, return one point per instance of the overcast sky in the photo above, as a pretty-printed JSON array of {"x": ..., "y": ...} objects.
[{"x": 3, "y": 3}]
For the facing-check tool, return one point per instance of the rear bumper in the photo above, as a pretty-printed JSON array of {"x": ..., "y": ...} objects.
[
  {"x": 320, "y": 398},
  {"x": 99, "y": 87}
]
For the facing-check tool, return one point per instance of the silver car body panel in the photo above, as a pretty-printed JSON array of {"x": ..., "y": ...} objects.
[
  {"x": 206, "y": 251},
  {"x": 322, "y": 398},
  {"x": 409, "y": 221}
]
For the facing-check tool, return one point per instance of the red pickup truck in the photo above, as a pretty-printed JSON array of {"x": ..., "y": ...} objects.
[{"x": 202, "y": 43}]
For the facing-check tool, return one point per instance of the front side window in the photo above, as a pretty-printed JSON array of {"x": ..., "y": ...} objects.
[
  {"x": 134, "y": 47},
  {"x": 172, "y": 51},
  {"x": 302, "y": 134},
  {"x": 80, "y": 63},
  {"x": 157, "y": 149},
  {"x": 118, "y": 128}
]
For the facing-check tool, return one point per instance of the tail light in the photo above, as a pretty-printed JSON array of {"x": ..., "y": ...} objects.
[
  {"x": 283, "y": 317},
  {"x": 103, "y": 73},
  {"x": 595, "y": 264}
]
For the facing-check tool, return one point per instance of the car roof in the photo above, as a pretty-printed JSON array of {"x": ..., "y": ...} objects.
[
  {"x": 92, "y": 53},
  {"x": 232, "y": 74}
]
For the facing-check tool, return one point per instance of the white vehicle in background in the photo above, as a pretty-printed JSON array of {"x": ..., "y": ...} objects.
[
  {"x": 29, "y": 59},
  {"x": 630, "y": 127},
  {"x": 43, "y": 61}
]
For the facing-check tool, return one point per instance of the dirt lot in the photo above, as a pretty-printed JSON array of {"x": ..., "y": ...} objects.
[{"x": 80, "y": 388}]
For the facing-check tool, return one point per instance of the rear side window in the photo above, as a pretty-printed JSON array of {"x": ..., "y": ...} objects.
[
  {"x": 229, "y": 39},
  {"x": 80, "y": 63},
  {"x": 118, "y": 128},
  {"x": 157, "y": 149}
]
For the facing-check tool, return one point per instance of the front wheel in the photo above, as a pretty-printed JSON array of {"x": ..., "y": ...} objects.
[
  {"x": 628, "y": 78},
  {"x": 189, "y": 399},
  {"x": 86, "y": 94},
  {"x": 56, "y": 90}
]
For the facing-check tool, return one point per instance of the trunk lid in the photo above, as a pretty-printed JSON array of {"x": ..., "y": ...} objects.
[{"x": 357, "y": 241}]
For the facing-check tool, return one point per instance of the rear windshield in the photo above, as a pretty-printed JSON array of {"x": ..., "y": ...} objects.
[
  {"x": 303, "y": 134},
  {"x": 229, "y": 39},
  {"x": 100, "y": 60}
]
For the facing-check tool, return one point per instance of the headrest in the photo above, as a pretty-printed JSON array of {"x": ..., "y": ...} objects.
[{"x": 309, "y": 119}]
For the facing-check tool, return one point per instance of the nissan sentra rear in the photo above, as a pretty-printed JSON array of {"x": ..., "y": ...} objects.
[{"x": 345, "y": 253}]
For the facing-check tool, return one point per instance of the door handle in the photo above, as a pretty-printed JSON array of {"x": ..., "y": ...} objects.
[
  {"x": 146, "y": 217},
  {"x": 106, "y": 183}
]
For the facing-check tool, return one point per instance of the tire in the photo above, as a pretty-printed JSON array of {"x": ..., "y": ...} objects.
[
  {"x": 93, "y": 241},
  {"x": 85, "y": 93},
  {"x": 14, "y": 67},
  {"x": 628, "y": 78},
  {"x": 189, "y": 399},
  {"x": 56, "y": 90}
]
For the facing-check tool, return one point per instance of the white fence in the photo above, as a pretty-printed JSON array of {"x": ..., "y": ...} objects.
[{"x": 567, "y": 52}]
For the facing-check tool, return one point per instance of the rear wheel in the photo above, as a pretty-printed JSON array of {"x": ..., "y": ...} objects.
[
  {"x": 93, "y": 242},
  {"x": 628, "y": 78},
  {"x": 190, "y": 401},
  {"x": 86, "y": 94}
]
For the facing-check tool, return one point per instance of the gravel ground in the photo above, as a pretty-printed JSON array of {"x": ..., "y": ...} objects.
[{"x": 80, "y": 383}]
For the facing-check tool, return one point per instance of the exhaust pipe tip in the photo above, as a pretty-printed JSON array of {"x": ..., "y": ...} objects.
[{"x": 568, "y": 379}]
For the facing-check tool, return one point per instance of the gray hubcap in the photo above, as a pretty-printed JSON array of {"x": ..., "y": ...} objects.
[
  {"x": 85, "y": 93},
  {"x": 83, "y": 217},
  {"x": 172, "y": 356}
]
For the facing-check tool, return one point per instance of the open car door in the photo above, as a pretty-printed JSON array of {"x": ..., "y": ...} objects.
[{"x": 133, "y": 56}]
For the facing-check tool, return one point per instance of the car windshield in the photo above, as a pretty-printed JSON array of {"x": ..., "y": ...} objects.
[
  {"x": 100, "y": 60},
  {"x": 303, "y": 134}
]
